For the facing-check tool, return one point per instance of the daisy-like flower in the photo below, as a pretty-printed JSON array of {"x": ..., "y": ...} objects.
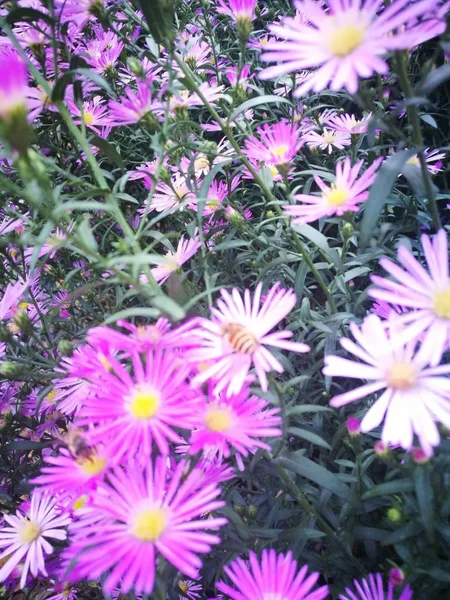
[
  {"x": 328, "y": 139},
  {"x": 426, "y": 293},
  {"x": 172, "y": 197},
  {"x": 13, "y": 85},
  {"x": 238, "y": 335},
  {"x": 69, "y": 473},
  {"x": 433, "y": 158},
  {"x": 25, "y": 537},
  {"x": 237, "y": 422},
  {"x": 172, "y": 261},
  {"x": 139, "y": 514},
  {"x": 350, "y": 124},
  {"x": 345, "y": 40},
  {"x": 345, "y": 194},
  {"x": 238, "y": 10},
  {"x": 134, "y": 106},
  {"x": 184, "y": 99},
  {"x": 128, "y": 413},
  {"x": 190, "y": 588},
  {"x": 414, "y": 396},
  {"x": 372, "y": 588},
  {"x": 10, "y": 298},
  {"x": 275, "y": 576},
  {"x": 274, "y": 144},
  {"x": 94, "y": 112}
]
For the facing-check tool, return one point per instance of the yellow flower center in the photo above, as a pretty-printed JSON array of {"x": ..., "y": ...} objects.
[
  {"x": 51, "y": 396},
  {"x": 345, "y": 39},
  {"x": 149, "y": 524},
  {"x": 273, "y": 171},
  {"x": 441, "y": 303},
  {"x": 213, "y": 203},
  {"x": 80, "y": 502},
  {"x": 280, "y": 151},
  {"x": 91, "y": 466},
  {"x": 218, "y": 420},
  {"x": 105, "y": 362},
  {"x": 183, "y": 586},
  {"x": 30, "y": 532},
  {"x": 414, "y": 160},
  {"x": 201, "y": 162},
  {"x": 144, "y": 403},
  {"x": 240, "y": 338},
  {"x": 88, "y": 118},
  {"x": 328, "y": 137},
  {"x": 337, "y": 196},
  {"x": 402, "y": 376},
  {"x": 24, "y": 305}
]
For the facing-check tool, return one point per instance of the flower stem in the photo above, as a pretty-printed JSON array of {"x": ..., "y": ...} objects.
[{"x": 417, "y": 139}]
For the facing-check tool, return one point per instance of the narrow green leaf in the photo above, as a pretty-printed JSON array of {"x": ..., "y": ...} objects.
[
  {"x": 307, "y": 408},
  {"x": 108, "y": 150},
  {"x": 380, "y": 191},
  {"x": 169, "y": 307},
  {"x": 390, "y": 487},
  {"x": 27, "y": 15},
  {"x": 140, "y": 311},
  {"x": 409, "y": 530},
  {"x": 316, "y": 473},
  {"x": 267, "y": 99},
  {"x": 309, "y": 436},
  {"x": 425, "y": 499},
  {"x": 435, "y": 79}
]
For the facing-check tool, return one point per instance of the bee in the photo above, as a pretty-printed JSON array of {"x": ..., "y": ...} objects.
[
  {"x": 240, "y": 338},
  {"x": 77, "y": 444}
]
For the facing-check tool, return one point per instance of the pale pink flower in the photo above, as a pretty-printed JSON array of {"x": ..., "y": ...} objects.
[
  {"x": 13, "y": 85},
  {"x": 25, "y": 537},
  {"x": 426, "y": 292},
  {"x": 414, "y": 396},
  {"x": 238, "y": 10},
  {"x": 94, "y": 112},
  {"x": 345, "y": 40},
  {"x": 345, "y": 194},
  {"x": 173, "y": 197},
  {"x": 275, "y": 144},
  {"x": 433, "y": 158},
  {"x": 238, "y": 335},
  {"x": 134, "y": 106},
  {"x": 172, "y": 261},
  {"x": 328, "y": 139},
  {"x": 11, "y": 296},
  {"x": 186, "y": 99},
  {"x": 350, "y": 124}
]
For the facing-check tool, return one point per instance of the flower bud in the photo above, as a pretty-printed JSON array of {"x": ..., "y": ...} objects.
[
  {"x": 65, "y": 347},
  {"x": 396, "y": 577},
  {"x": 13, "y": 111},
  {"x": 381, "y": 449},
  {"x": 394, "y": 515},
  {"x": 11, "y": 370},
  {"x": 419, "y": 456},
  {"x": 353, "y": 427}
]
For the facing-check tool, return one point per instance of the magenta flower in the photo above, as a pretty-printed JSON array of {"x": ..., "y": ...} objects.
[
  {"x": 13, "y": 85},
  {"x": 139, "y": 514},
  {"x": 427, "y": 293},
  {"x": 433, "y": 158},
  {"x": 345, "y": 194},
  {"x": 275, "y": 576},
  {"x": 238, "y": 10},
  {"x": 69, "y": 474},
  {"x": 343, "y": 40},
  {"x": 134, "y": 106},
  {"x": 238, "y": 335},
  {"x": 173, "y": 197},
  {"x": 237, "y": 422},
  {"x": 128, "y": 413},
  {"x": 190, "y": 588},
  {"x": 172, "y": 261},
  {"x": 94, "y": 112},
  {"x": 414, "y": 394},
  {"x": 25, "y": 537},
  {"x": 10, "y": 298},
  {"x": 274, "y": 144},
  {"x": 372, "y": 588}
]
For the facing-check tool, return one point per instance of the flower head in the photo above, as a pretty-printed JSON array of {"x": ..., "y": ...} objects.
[
  {"x": 13, "y": 85},
  {"x": 274, "y": 577},
  {"x": 274, "y": 144},
  {"x": 345, "y": 194},
  {"x": 328, "y": 139},
  {"x": 25, "y": 536},
  {"x": 344, "y": 40},
  {"x": 414, "y": 394},
  {"x": 141, "y": 513},
  {"x": 172, "y": 261},
  {"x": 134, "y": 106},
  {"x": 372, "y": 588},
  {"x": 427, "y": 293},
  {"x": 238, "y": 335}
]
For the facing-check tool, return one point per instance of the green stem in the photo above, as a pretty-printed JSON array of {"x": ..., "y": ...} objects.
[{"x": 417, "y": 139}]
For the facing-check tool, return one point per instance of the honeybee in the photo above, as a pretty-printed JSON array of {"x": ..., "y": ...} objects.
[
  {"x": 240, "y": 338},
  {"x": 77, "y": 444}
]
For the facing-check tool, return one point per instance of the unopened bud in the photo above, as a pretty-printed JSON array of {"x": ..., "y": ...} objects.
[
  {"x": 419, "y": 456},
  {"x": 396, "y": 577},
  {"x": 252, "y": 510},
  {"x": 65, "y": 347},
  {"x": 353, "y": 427},
  {"x": 10, "y": 369},
  {"x": 394, "y": 515},
  {"x": 381, "y": 449}
]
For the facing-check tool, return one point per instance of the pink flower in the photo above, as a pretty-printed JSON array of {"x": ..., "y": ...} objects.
[
  {"x": 345, "y": 194},
  {"x": 414, "y": 395},
  {"x": 350, "y": 124},
  {"x": 344, "y": 40},
  {"x": 328, "y": 140},
  {"x": 13, "y": 85},
  {"x": 239, "y": 10},
  {"x": 275, "y": 576},
  {"x": 128, "y": 413},
  {"x": 172, "y": 261},
  {"x": 94, "y": 112},
  {"x": 274, "y": 144},
  {"x": 139, "y": 514},
  {"x": 236, "y": 422},
  {"x": 190, "y": 588},
  {"x": 134, "y": 106},
  {"x": 10, "y": 298},
  {"x": 433, "y": 158},
  {"x": 25, "y": 537},
  {"x": 238, "y": 335},
  {"x": 427, "y": 293},
  {"x": 372, "y": 588},
  {"x": 173, "y": 197}
]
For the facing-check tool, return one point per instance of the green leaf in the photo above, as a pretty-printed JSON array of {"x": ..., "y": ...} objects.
[
  {"x": 319, "y": 240},
  {"x": 27, "y": 15},
  {"x": 169, "y": 307},
  {"x": 369, "y": 533},
  {"x": 390, "y": 487},
  {"x": 84, "y": 233},
  {"x": 316, "y": 473},
  {"x": 108, "y": 150},
  {"x": 69, "y": 77},
  {"x": 425, "y": 499},
  {"x": 309, "y": 436},
  {"x": 380, "y": 191},
  {"x": 268, "y": 99},
  {"x": 132, "y": 312},
  {"x": 435, "y": 79},
  {"x": 411, "y": 529},
  {"x": 307, "y": 408}
]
